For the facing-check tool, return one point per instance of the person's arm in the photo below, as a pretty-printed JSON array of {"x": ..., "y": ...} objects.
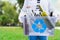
[
  {"x": 23, "y": 12},
  {"x": 21, "y": 15},
  {"x": 20, "y": 18},
  {"x": 50, "y": 8},
  {"x": 52, "y": 12}
]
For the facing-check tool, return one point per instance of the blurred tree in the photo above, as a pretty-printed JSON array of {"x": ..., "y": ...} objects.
[
  {"x": 10, "y": 12},
  {"x": 0, "y": 19},
  {"x": 9, "y": 16},
  {"x": 58, "y": 23},
  {"x": 20, "y": 3},
  {"x": 1, "y": 5}
]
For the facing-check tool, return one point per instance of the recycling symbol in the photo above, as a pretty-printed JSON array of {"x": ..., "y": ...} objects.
[{"x": 39, "y": 25}]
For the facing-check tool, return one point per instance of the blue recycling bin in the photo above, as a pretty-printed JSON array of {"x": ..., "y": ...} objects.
[{"x": 39, "y": 26}]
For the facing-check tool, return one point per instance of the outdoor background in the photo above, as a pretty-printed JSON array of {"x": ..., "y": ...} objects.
[{"x": 11, "y": 28}]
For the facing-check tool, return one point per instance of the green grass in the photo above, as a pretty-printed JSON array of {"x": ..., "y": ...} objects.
[
  {"x": 12, "y": 33},
  {"x": 16, "y": 33},
  {"x": 56, "y": 35}
]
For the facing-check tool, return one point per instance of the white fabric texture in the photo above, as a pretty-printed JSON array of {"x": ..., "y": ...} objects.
[{"x": 31, "y": 5}]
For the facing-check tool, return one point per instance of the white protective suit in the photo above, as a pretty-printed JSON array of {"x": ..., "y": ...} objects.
[{"x": 31, "y": 5}]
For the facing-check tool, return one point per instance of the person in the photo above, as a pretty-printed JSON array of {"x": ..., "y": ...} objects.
[{"x": 30, "y": 5}]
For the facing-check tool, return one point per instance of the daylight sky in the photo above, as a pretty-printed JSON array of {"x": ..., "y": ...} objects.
[{"x": 12, "y": 1}]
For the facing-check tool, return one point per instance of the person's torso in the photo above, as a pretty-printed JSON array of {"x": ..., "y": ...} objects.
[{"x": 33, "y": 5}]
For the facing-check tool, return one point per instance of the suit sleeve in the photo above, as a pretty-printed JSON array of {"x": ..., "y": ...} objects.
[
  {"x": 51, "y": 10},
  {"x": 50, "y": 6},
  {"x": 23, "y": 12}
]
